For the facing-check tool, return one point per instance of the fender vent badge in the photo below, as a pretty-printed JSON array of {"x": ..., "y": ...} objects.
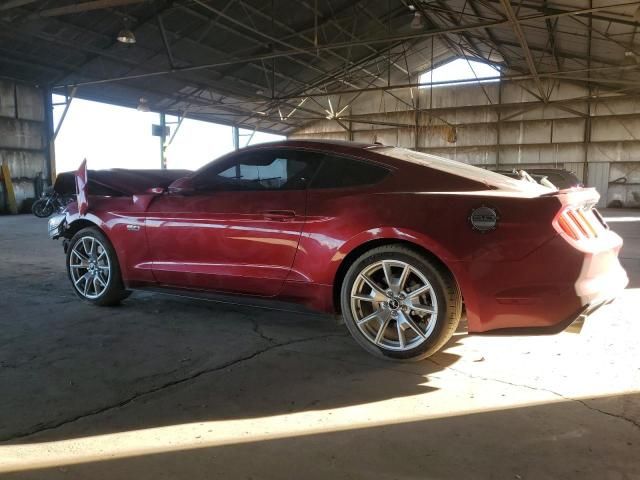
[{"x": 133, "y": 228}]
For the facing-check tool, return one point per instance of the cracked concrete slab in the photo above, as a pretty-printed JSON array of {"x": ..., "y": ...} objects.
[{"x": 164, "y": 387}]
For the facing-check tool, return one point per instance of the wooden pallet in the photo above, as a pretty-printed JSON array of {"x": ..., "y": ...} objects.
[{"x": 5, "y": 176}]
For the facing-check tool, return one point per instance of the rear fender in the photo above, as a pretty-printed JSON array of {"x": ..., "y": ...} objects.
[
  {"x": 390, "y": 234},
  {"x": 393, "y": 233}
]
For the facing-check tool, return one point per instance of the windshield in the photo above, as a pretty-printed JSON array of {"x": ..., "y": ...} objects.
[{"x": 461, "y": 169}]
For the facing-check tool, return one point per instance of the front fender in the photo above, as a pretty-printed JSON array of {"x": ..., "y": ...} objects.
[{"x": 127, "y": 234}]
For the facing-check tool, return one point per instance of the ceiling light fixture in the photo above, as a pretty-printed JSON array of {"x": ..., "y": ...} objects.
[
  {"x": 630, "y": 58},
  {"x": 126, "y": 36},
  {"x": 417, "y": 21},
  {"x": 495, "y": 56},
  {"x": 143, "y": 105}
]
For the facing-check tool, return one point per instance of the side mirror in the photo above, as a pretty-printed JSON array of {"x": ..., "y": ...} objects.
[{"x": 182, "y": 186}]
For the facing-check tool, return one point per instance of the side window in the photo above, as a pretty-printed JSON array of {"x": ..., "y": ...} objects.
[
  {"x": 260, "y": 170},
  {"x": 340, "y": 172}
]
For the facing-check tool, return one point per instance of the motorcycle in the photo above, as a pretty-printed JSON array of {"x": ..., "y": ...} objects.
[{"x": 50, "y": 202}]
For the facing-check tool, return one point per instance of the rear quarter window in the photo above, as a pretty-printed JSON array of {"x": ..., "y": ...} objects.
[{"x": 340, "y": 172}]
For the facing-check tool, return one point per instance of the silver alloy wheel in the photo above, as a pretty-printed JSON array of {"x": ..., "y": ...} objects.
[
  {"x": 394, "y": 305},
  {"x": 90, "y": 267}
]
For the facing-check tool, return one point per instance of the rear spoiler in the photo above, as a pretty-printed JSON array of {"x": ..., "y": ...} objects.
[{"x": 576, "y": 196}]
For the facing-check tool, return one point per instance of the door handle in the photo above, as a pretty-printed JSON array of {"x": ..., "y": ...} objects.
[{"x": 279, "y": 215}]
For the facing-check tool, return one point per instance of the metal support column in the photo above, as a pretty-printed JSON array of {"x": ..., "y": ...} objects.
[
  {"x": 163, "y": 141},
  {"x": 49, "y": 169},
  {"x": 67, "y": 104},
  {"x": 416, "y": 119},
  {"x": 587, "y": 122},
  {"x": 498, "y": 125},
  {"x": 235, "y": 133}
]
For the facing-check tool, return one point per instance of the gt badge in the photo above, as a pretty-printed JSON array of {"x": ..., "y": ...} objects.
[{"x": 483, "y": 219}]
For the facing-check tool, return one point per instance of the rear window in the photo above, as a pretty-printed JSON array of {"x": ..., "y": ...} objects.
[
  {"x": 340, "y": 172},
  {"x": 465, "y": 170}
]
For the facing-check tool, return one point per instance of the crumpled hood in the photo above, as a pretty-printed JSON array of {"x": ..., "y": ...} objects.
[{"x": 118, "y": 182}]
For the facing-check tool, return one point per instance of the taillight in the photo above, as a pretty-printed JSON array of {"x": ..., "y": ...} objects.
[
  {"x": 566, "y": 227},
  {"x": 579, "y": 224}
]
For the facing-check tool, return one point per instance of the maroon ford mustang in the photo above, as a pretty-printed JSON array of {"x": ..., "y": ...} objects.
[{"x": 397, "y": 241}]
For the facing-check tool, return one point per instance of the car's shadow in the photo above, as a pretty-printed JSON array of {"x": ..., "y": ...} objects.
[{"x": 159, "y": 361}]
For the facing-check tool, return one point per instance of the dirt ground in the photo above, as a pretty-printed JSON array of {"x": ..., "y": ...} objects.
[{"x": 164, "y": 387}]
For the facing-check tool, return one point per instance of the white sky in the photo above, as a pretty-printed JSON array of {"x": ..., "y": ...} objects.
[
  {"x": 117, "y": 137},
  {"x": 460, "y": 69}
]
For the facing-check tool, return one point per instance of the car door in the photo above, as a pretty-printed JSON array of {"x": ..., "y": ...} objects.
[{"x": 238, "y": 231}]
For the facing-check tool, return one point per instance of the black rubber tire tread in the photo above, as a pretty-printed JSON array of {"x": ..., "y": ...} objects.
[
  {"x": 445, "y": 287},
  {"x": 115, "y": 291}
]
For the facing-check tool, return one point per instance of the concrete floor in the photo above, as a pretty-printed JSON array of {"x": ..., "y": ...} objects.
[{"x": 164, "y": 387}]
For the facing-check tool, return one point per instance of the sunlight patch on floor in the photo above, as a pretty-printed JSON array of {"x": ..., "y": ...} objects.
[
  {"x": 15, "y": 458},
  {"x": 621, "y": 219}
]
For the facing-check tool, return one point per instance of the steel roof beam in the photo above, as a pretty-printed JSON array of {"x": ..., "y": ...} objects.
[
  {"x": 517, "y": 29},
  {"x": 590, "y": 12},
  {"x": 311, "y": 50},
  {"x": 304, "y": 37},
  {"x": 264, "y": 35},
  {"x": 346, "y": 32},
  {"x": 494, "y": 42},
  {"x": 9, "y": 4},
  {"x": 120, "y": 60},
  {"x": 504, "y": 78},
  {"x": 83, "y": 7},
  {"x": 561, "y": 53},
  {"x": 165, "y": 41}
]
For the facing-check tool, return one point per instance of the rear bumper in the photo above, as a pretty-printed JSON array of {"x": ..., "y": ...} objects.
[
  {"x": 602, "y": 277},
  {"x": 546, "y": 291},
  {"x": 572, "y": 323}
]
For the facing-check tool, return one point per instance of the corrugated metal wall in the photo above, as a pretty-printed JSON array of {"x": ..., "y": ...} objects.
[
  {"x": 502, "y": 124},
  {"x": 598, "y": 177},
  {"x": 22, "y": 138}
]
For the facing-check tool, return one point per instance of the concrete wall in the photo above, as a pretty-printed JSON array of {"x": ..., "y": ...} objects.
[
  {"x": 504, "y": 124},
  {"x": 22, "y": 138}
]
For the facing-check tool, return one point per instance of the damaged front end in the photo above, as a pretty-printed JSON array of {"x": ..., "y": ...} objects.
[
  {"x": 83, "y": 184},
  {"x": 57, "y": 225}
]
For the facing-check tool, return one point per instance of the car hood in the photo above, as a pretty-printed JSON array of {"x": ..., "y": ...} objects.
[{"x": 118, "y": 182}]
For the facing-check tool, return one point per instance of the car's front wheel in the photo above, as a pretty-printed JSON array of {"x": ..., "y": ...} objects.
[
  {"x": 93, "y": 268},
  {"x": 400, "y": 304}
]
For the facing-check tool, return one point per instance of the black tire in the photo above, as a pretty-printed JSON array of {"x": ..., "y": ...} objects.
[
  {"x": 443, "y": 285},
  {"x": 114, "y": 292},
  {"x": 41, "y": 208}
]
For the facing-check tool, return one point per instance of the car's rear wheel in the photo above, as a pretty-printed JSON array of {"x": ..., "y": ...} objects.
[
  {"x": 400, "y": 304},
  {"x": 93, "y": 268}
]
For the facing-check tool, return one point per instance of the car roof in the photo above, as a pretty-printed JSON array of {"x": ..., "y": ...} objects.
[{"x": 315, "y": 143}]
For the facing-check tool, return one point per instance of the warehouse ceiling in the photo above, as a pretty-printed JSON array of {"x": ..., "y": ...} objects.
[{"x": 266, "y": 65}]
